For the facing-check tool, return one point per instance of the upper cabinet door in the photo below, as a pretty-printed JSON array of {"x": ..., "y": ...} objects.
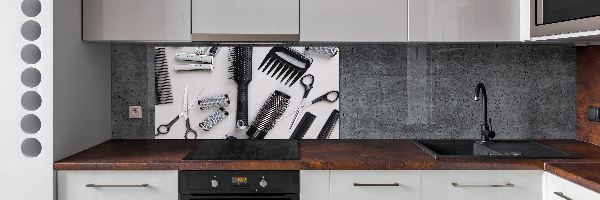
[
  {"x": 468, "y": 20},
  {"x": 136, "y": 20},
  {"x": 245, "y": 20},
  {"x": 354, "y": 20}
]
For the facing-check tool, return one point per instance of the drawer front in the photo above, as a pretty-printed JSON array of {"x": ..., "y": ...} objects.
[
  {"x": 117, "y": 185},
  {"x": 482, "y": 184},
  {"x": 375, "y": 185},
  {"x": 566, "y": 190}
]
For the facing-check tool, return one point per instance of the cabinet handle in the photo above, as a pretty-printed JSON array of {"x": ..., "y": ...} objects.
[
  {"x": 560, "y": 194},
  {"x": 505, "y": 185},
  {"x": 361, "y": 184},
  {"x": 94, "y": 185}
]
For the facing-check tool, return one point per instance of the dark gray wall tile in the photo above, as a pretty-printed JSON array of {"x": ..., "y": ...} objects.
[
  {"x": 531, "y": 91},
  {"x": 132, "y": 85}
]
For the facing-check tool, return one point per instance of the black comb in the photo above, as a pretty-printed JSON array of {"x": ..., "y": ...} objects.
[
  {"x": 329, "y": 125},
  {"x": 287, "y": 63},
  {"x": 240, "y": 71},
  {"x": 303, "y": 126}
]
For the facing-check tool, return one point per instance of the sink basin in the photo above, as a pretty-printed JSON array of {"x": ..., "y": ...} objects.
[{"x": 493, "y": 149}]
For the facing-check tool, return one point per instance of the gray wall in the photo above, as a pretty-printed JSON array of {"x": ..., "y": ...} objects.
[
  {"x": 81, "y": 77},
  {"x": 410, "y": 90}
]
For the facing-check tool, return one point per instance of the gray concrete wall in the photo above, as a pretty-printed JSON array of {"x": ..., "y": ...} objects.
[{"x": 411, "y": 90}]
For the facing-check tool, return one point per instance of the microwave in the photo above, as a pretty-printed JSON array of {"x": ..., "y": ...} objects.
[{"x": 555, "y": 19}]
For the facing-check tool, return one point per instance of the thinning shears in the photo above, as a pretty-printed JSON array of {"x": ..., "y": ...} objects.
[{"x": 165, "y": 128}]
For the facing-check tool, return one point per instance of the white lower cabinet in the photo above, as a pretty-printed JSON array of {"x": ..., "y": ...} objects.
[
  {"x": 561, "y": 189},
  {"x": 375, "y": 185},
  {"x": 482, "y": 184},
  {"x": 314, "y": 184},
  {"x": 117, "y": 185}
]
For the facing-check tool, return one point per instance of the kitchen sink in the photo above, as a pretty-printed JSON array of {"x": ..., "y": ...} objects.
[{"x": 440, "y": 149}]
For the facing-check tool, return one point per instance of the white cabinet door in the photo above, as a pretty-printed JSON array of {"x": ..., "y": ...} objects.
[
  {"x": 354, "y": 20},
  {"x": 468, "y": 20},
  {"x": 117, "y": 185},
  {"x": 561, "y": 189},
  {"x": 375, "y": 185},
  {"x": 136, "y": 20},
  {"x": 482, "y": 184},
  {"x": 244, "y": 20},
  {"x": 314, "y": 185}
]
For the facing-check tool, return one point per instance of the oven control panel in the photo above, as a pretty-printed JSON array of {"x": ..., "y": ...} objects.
[{"x": 225, "y": 182}]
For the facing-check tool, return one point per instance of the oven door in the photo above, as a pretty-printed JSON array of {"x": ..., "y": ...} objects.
[{"x": 237, "y": 197}]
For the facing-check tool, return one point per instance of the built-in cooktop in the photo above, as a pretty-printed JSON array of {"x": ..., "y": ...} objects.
[{"x": 245, "y": 150}]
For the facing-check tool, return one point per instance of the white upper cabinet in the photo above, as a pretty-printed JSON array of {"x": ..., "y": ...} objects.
[
  {"x": 244, "y": 20},
  {"x": 468, "y": 20},
  {"x": 136, "y": 20},
  {"x": 354, "y": 20}
]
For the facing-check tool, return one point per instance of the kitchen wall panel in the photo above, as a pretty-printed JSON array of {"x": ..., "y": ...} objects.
[
  {"x": 588, "y": 92},
  {"x": 410, "y": 90}
]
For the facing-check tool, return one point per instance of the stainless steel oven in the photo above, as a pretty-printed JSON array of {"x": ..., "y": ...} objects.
[
  {"x": 554, "y": 17},
  {"x": 236, "y": 185}
]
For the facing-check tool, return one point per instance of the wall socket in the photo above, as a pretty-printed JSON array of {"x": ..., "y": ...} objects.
[{"x": 135, "y": 112}]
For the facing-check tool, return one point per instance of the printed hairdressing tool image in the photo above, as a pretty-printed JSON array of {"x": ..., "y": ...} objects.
[
  {"x": 205, "y": 62},
  {"x": 240, "y": 71},
  {"x": 213, "y": 119},
  {"x": 268, "y": 114},
  {"x": 162, "y": 81},
  {"x": 194, "y": 57},
  {"x": 201, "y": 50},
  {"x": 307, "y": 81},
  {"x": 213, "y": 51},
  {"x": 329, "y": 125},
  {"x": 287, "y": 63},
  {"x": 165, "y": 128},
  {"x": 186, "y": 117},
  {"x": 327, "y": 51},
  {"x": 194, "y": 67},
  {"x": 303, "y": 126},
  {"x": 213, "y": 102}
]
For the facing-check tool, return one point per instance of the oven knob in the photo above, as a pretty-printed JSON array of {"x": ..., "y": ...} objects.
[
  {"x": 263, "y": 183},
  {"x": 214, "y": 183}
]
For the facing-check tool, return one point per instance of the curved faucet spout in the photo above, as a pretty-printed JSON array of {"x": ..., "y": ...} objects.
[
  {"x": 486, "y": 133},
  {"x": 481, "y": 88}
]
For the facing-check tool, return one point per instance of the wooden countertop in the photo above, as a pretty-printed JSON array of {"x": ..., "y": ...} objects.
[
  {"x": 314, "y": 155},
  {"x": 581, "y": 173}
]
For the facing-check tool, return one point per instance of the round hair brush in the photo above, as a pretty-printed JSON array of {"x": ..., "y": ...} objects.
[
  {"x": 240, "y": 71},
  {"x": 268, "y": 114}
]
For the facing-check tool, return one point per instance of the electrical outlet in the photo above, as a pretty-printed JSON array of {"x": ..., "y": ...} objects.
[{"x": 135, "y": 112}]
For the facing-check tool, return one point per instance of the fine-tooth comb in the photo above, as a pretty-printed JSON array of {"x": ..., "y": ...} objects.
[
  {"x": 162, "y": 82},
  {"x": 287, "y": 63}
]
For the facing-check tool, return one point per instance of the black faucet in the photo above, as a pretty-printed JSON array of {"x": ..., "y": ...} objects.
[{"x": 486, "y": 129}]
